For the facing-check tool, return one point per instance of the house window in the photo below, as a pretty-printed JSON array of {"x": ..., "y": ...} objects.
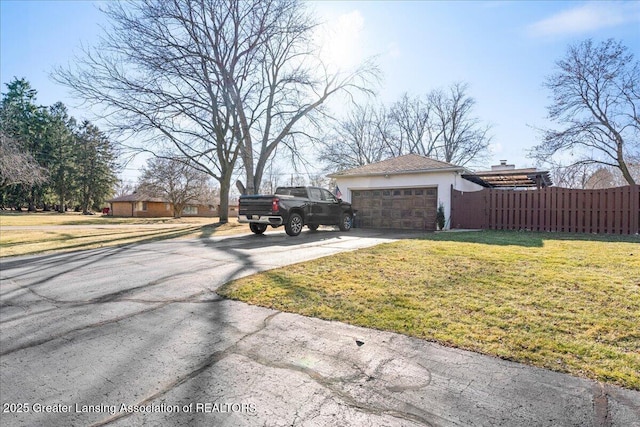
[
  {"x": 407, "y": 192},
  {"x": 397, "y": 192},
  {"x": 143, "y": 206},
  {"x": 418, "y": 193},
  {"x": 386, "y": 193},
  {"x": 190, "y": 210}
]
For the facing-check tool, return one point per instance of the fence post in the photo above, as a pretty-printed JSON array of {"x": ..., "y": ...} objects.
[
  {"x": 452, "y": 224},
  {"x": 634, "y": 191}
]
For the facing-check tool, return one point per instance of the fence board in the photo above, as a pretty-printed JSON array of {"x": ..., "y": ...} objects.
[{"x": 610, "y": 211}]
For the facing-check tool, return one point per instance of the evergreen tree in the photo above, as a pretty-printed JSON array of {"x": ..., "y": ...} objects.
[
  {"x": 58, "y": 151},
  {"x": 23, "y": 122},
  {"x": 95, "y": 158},
  {"x": 47, "y": 159}
]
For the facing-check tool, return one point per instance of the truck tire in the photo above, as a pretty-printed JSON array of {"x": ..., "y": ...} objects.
[
  {"x": 346, "y": 222},
  {"x": 257, "y": 228},
  {"x": 294, "y": 224}
]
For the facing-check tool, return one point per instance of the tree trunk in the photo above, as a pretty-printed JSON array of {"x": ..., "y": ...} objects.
[
  {"x": 624, "y": 169},
  {"x": 225, "y": 185},
  {"x": 61, "y": 197},
  {"x": 32, "y": 200}
]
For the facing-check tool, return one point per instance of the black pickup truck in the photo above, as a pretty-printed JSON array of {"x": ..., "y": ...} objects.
[{"x": 295, "y": 207}]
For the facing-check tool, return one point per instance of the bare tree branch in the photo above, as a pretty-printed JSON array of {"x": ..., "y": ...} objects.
[{"x": 595, "y": 94}]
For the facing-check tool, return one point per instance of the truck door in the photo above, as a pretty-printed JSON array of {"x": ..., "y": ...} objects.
[
  {"x": 316, "y": 208},
  {"x": 331, "y": 210}
]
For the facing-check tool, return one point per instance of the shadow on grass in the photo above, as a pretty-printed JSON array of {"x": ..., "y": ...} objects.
[
  {"x": 292, "y": 297},
  {"x": 533, "y": 239},
  {"x": 125, "y": 240},
  {"x": 210, "y": 229}
]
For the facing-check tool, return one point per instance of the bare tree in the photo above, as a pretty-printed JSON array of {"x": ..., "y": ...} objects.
[
  {"x": 357, "y": 140},
  {"x": 122, "y": 188},
  {"x": 282, "y": 100},
  {"x": 155, "y": 74},
  {"x": 411, "y": 127},
  {"x": 17, "y": 165},
  {"x": 320, "y": 180},
  {"x": 608, "y": 177},
  {"x": 459, "y": 137},
  {"x": 176, "y": 181},
  {"x": 272, "y": 179},
  {"x": 218, "y": 79},
  {"x": 596, "y": 97},
  {"x": 571, "y": 176},
  {"x": 440, "y": 125}
]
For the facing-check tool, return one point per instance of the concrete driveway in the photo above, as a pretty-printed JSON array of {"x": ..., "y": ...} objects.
[{"x": 137, "y": 336}]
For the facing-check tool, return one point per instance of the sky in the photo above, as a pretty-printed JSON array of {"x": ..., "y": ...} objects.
[{"x": 502, "y": 49}]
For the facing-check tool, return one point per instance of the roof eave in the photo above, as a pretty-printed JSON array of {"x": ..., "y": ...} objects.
[{"x": 413, "y": 172}]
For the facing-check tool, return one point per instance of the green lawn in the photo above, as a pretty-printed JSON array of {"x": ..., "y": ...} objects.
[
  {"x": 570, "y": 303},
  {"x": 54, "y": 232}
]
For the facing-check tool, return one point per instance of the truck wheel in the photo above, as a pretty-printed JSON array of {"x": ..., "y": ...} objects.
[
  {"x": 346, "y": 222},
  {"x": 257, "y": 228},
  {"x": 312, "y": 227},
  {"x": 294, "y": 224}
]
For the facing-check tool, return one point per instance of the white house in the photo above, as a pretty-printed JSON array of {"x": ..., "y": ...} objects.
[{"x": 403, "y": 192}]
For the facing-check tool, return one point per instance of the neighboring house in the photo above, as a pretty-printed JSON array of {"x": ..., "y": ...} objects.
[
  {"x": 403, "y": 192},
  {"x": 141, "y": 206}
]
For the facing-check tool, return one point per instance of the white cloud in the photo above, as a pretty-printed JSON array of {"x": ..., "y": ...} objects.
[{"x": 586, "y": 18}]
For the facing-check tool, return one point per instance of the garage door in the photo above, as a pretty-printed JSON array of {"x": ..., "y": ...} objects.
[{"x": 402, "y": 208}]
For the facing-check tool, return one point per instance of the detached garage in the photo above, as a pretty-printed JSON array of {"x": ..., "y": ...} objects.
[{"x": 403, "y": 192}]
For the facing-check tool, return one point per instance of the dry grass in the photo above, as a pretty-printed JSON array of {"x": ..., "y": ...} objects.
[
  {"x": 53, "y": 232},
  {"x": 29, "y": 219},
  {"x": 563, "y": 302}
]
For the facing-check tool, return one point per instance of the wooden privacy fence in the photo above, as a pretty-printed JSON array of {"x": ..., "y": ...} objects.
[{"x": 610, "y": 211}]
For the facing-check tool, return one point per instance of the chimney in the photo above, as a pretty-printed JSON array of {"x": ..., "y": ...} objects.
[{"x": 503, "y": 166}]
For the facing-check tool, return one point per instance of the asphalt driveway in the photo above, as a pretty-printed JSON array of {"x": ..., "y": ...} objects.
[{"x": 137, "y": 335}]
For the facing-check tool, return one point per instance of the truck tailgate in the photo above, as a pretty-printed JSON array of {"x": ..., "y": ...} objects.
[{"x": 255, "y": 205}]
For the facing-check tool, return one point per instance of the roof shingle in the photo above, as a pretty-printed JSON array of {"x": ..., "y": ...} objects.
[
  {"x": 136, "y": 197},
  {"x": 409, "y": 163}
]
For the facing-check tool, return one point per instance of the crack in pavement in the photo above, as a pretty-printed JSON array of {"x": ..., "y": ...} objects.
[
  {"x": 209, "y": 362},
  {"x": 601, "y": 406},
  {"x": 411, "y": 412},
  {"x": 114, "y": 296},
  {"x": 60, "y": 335}
]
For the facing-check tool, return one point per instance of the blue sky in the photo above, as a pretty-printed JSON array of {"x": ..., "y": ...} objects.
[{"x": 502, "y": 49}]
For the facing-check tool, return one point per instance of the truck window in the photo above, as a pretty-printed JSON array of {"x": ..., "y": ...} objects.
[
  {"x": 314, "y": 193},
  {"x": 326, "y": 195}
]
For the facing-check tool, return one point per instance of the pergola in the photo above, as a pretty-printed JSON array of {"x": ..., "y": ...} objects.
[{"x": 511, "y": 178}]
